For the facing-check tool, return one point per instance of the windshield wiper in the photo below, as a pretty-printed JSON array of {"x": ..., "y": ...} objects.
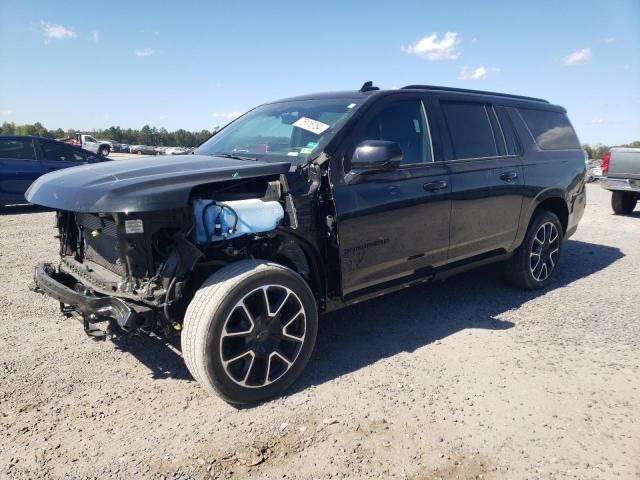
[{"x": 235, "y": 157}]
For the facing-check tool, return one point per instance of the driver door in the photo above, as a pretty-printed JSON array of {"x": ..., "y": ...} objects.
[{"x": 393, "y": 227}]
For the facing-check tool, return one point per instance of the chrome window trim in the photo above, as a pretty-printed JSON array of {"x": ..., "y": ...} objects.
[
  {"x": 497, "y": 157},
  {"x": 426, "y": 122}
]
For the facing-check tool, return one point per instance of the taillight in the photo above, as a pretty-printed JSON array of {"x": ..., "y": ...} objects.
[{"x": 605, "y": 163}]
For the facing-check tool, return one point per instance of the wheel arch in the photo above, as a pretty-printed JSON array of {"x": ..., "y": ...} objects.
[
  {"x": 552, "y": 200},
  {"x": 299, "y": 255},
  {"x": 555, "y": 205}
]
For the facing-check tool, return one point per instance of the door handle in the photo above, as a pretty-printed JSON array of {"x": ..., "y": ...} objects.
[
  {"x": 435, "y": 186},
  {"x": 508, "y": 176}
]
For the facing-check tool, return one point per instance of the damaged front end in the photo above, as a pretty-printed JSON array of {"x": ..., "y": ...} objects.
[
  {"x": 138, "y": 270},
  {"x": 129, "y": 269}
]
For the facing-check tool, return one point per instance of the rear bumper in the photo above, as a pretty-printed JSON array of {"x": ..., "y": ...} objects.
[
  {"x": 96, "y": 308},
  {"x": 623, "y": 184}
]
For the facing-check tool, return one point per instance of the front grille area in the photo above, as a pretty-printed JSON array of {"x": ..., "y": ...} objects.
[{"x": 103, "y": 247}]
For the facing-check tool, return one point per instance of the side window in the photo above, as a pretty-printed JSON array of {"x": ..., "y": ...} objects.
[
  {"x": 551, "y": 130},
  {"x": 17, "y": 149},
  {"x": 470, "y": 130},
  {"x": 402, "y": 122},
  {"x": 61, "y": 153}
]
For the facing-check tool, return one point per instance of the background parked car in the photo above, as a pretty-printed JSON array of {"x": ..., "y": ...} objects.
[
  {"x": 115, "y": 146},
  {"x": 142, "y": 149},
  {"x": 25, "y": 158},
  {"x": 176, "y": 151},
  {"x": 124, "y": 148},
  {"x": 594, "y": 170},
  {"x": 161, "y": 150}
]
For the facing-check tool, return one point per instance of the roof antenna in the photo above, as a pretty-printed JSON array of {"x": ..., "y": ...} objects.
[{"x": 367, "y": 87}]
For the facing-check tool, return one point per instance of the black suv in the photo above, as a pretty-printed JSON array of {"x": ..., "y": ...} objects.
[{"x": 305, "y": 205}]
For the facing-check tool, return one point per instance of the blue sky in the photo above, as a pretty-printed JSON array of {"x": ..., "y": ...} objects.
[{"x": 194, "y": 64}]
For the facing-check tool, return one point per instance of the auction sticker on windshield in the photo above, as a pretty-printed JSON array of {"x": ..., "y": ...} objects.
[{"x": 311, "y": 125}]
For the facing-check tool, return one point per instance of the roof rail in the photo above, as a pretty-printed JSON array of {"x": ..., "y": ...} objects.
[{"x": 466, "y": 90}]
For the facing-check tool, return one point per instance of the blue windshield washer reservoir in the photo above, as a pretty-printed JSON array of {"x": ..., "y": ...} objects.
[{"x": 250, "y": 216}]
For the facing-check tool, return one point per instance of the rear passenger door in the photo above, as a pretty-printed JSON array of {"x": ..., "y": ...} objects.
[
  {"x": 486, "y": 178},
  {"x": 18, "y": 168}
]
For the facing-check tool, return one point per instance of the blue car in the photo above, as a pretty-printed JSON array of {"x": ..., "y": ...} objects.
[{"x": 25, "y": 158}]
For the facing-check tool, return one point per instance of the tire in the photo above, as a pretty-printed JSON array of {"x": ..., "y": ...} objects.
[
  {"x": 104, "y": 151},
  {"x": 623, "y": 202},
  {"x": 228, "y": 346},
  {"x": 540, "y": 244}
]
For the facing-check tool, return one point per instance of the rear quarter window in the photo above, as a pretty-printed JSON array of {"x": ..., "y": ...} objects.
[{"x": 551, "y": 130}]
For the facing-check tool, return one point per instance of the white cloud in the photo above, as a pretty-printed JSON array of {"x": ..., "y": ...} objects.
[
  {"x": 474, "y": 40},
  {"x": 609, "y": 40},
  {"x": 95, "y": 35},
  {"x": 6, "y": 113},
  {"x": 577, "y": 58},
  {"x": 145, "y": 52},
  {"x": 56, "y": 32},
  {"x": 600, "y": 121},
  {"x": 431, "y": 48},
  {"x": 478, "y": 73},
  {"x": 228, "y": 115}
]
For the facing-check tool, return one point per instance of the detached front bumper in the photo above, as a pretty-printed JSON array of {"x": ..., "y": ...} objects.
[
  {"x": 623, "y": 184},
  {"x": 95, "y": 309}
]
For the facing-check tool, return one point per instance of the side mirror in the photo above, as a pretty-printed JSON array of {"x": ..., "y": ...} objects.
[{"x": 373, "y": 156}]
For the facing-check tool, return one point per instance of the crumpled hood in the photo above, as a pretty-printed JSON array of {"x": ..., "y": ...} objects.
[{"x": 140, "y": 185}]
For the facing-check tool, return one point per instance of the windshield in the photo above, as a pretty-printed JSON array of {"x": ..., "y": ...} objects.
[{"x": 296, "y": 130}]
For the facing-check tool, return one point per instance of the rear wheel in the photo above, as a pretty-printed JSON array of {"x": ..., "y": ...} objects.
[
  {"x": 536, "y": 261},
  {"x": 623, "y": 202},
  {"x": 104, "y": 151},
  {"x": 249, "y": 331}
]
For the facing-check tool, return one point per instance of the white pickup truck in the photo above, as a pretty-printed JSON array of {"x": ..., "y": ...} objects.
[
  {"x": 89, "y": 143},
  {"x": 621, "y": 175}
]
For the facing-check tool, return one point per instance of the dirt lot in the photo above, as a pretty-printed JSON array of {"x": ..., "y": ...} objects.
[{"x": 466, "y": 379}]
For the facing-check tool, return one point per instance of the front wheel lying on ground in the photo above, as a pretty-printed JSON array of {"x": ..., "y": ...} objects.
[
  {"x": 249, "y": 331},
  {"x": 623, "y": 202},
  {"x": 536, "y": 261}
]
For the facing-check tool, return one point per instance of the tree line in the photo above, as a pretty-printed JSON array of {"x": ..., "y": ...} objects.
[{"x": 159, "y": 137}]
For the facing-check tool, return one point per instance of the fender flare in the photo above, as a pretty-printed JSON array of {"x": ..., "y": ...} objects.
[
  {"x": 316, "y": 268},
  {"x": 526, "y": 216}
]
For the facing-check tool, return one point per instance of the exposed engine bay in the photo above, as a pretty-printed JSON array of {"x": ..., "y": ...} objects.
[{"x": 154, "y": 261}]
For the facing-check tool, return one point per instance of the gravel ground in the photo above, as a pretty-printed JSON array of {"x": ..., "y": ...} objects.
[{"x": 464, "y": 379}]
